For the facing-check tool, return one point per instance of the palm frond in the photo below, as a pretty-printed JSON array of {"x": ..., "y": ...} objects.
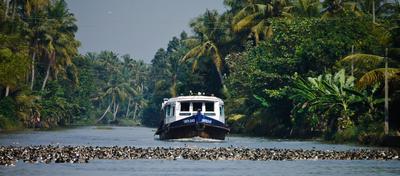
[
  {"x": 363, "y": 59},
  {"x": 195, "y": 65},
  {"x": 216, "y": 57},
  {"x": 192, "y": 53},
  {"x": 259, "y": 29},
  {"x": 377, "y": 75},
  {"x": 244, "y": 23},
  {"x": 243, "y": 13}
]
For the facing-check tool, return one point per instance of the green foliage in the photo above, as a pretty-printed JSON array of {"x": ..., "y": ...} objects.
[
  {"x": 333, "y": 105},
  {"x": 329, "y": 97},
  {"x": 254, "y": 55},
  {"x": 13, "y": 65},
  {"x": 262, "y": 76},
  {"x": 47, "y": 83},
  {"x": 8, "y": 114}
]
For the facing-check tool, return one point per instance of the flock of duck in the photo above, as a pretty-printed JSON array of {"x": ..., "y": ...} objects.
[{"x": 10, "y": 155}]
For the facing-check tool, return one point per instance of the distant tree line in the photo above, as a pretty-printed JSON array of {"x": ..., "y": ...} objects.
[{"x": 45, "y": 83}]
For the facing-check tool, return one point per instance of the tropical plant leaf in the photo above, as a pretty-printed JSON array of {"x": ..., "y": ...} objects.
[{"x": 377, "y": 75}]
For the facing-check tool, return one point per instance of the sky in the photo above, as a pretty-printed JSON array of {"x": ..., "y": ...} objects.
[{"x": 135, "y": 27}]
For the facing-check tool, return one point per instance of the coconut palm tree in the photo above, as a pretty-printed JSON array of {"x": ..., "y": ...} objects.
[
  {"x": 25, "y": 7},
  {"x": 115, "y": 93},
  {"x": 255, "y": 15},
  {"x": 62, "y": 43},
  {"x": 335, "y": 8},
  {"x": 368, "y": 68},
  {"x": 379, "y": 8},
  {"x": 210, "y": 35},
  {"x": 376, "y": 75},
  {"x": 33, "y": 13},
  {"x": 134, "y": 73},
  {"x": 363, "y": 63},
  {"x": 307, "y": 8}
]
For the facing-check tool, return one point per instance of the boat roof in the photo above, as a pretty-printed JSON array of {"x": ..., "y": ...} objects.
[{"x": 194, "y": 98}]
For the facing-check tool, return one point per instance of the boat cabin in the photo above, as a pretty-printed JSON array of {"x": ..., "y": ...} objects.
[{"x": 181, "y": 107}]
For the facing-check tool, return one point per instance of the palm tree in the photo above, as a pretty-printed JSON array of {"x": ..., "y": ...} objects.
[
  {"x": 25, "y": 7},
  {"x": 210, "y": 32},
  {"x": 13, "y": 65},
  {"x": 256, "y": 14},
  {"x": 378, "y": 75},
  {"x": 134, "y": 73},
  {"x": 62, "y": 43},
  {"x": 364, "y": 63},
  {"x": 379, "y": 8},
  {"x": 115, "y": 93},
  {"x": 307, "y": 8},
  {"x": 334, "y": 8},
  {"x": 367, "y": 68},
  {"x": 375, "y": 76},
  {"x": 33, "y": 13}
]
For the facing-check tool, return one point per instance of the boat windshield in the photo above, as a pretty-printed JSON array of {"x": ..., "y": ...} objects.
[
  {"x": 197, "y": 106},
  {"x": 209, "y": 106},
  {"x": 185, "y": 106},
  {"x": 192, "y": 107}
]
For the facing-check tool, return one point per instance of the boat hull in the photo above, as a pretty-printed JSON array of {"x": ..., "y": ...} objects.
[{"x": 194, "y": 126}]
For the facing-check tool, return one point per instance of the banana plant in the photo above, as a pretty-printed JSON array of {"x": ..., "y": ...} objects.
[{"x": 330, "y": 95}]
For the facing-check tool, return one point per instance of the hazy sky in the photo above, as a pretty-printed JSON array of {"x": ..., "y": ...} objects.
[{"x": 135, "y": 27}]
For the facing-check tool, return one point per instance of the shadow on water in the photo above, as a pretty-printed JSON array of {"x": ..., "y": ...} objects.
[{"x": 193, "y": 140}]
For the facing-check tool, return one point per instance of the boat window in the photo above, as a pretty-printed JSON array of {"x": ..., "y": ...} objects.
[
  {"x": 221, "y": 110},
  {"x": 167, "y": 110},
  {"x": 197, "y": 106},
  {"x": 185, "y": 106},
  {"x": 173, "y": 110},
  {"x": 209, "y": 106}
]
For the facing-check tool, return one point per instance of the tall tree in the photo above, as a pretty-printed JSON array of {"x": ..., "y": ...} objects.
[
  {"x": 254, "y": 17},
  {"x": 306, "y": 8},
  {"x": 210, "y": 35},
  {"x": 62, "y": 43}
]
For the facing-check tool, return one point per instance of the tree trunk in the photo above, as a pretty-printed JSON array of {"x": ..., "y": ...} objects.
[
  {"x": 115, "y": 112},
  {"x": 52, "y": 59},
  {"x": 6, "y": 11},
  {"x": 33, "y": 69},
  {"x": 352, "y": 61},
  {"x": 46, "y": 78},
  {"x": 127, "y": 109},
  {"x": 134, "y": 111},
  {"x": 14, "y": 10},
  {"x": 7, "y": 90},
  {"x": 173, "y": 87},
  {"x": 373, "y": 11},
  {"x": 104, "y": 114},
  {"x": 221, "y": 78},
  {"x": 386, "y": 127}
]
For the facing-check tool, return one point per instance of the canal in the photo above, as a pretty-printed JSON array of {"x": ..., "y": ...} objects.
[{"x": 143, "y": 137}]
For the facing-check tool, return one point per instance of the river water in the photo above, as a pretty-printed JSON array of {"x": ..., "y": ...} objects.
[{"x": 143, "y": 137}]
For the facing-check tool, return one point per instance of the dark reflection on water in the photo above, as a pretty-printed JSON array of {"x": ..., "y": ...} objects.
[{"x": 143, "y": 137}]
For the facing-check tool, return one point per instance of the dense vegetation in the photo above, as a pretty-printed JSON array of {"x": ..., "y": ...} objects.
[
  {"x": 300, "y": 68},
  {"x": 285, "y": 68},
  {"x": 45, "y": 83}
]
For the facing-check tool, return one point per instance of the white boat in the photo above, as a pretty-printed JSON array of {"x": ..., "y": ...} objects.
[{"x": 193, "y": 116}]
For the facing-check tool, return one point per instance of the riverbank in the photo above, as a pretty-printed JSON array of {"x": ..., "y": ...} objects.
[{"x": 10, "y": 155}]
